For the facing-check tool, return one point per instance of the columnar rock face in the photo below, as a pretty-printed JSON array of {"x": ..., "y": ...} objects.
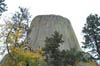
[{"x": 45, "y": 25}]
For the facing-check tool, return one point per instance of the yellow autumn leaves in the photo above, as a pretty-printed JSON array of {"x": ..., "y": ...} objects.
[
  {"x": 36, "y": 54},
  {"x": 24, "y": 57},
  {"x": 19, "y": 53},
  {"x": 15, "y": 36}
]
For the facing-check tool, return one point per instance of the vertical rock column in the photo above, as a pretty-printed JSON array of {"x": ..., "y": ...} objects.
[{"x": 44, "y": 25}]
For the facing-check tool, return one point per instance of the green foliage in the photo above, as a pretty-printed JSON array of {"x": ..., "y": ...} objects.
[
  {"x": 91, "y": 31},
  {"x": 51, "y": 48},
  {"x": 71, "y": 57},
  {"x": 56, "y": 57},
  {"x": 2, "y": 6},
  {"x": 53, "y": 43}
]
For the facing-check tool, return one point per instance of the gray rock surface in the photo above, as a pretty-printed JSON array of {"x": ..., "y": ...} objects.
[{"x": 44, "y": 25}]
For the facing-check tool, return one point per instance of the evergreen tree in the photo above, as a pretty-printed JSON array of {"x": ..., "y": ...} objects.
[
  {"x": 91, "y": 31},
  {"x": 56, "y": 57},
  {"x": 2, "y": 6},
  {"x": 52, "y": 45}
]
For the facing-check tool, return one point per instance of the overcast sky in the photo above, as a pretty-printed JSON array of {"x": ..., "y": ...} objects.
[{"x": 75, "y": 10}]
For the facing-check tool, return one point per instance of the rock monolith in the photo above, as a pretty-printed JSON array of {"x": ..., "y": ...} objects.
[{"x": 45, "y": 25}]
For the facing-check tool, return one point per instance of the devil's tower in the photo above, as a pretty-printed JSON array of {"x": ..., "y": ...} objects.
[{"x": 44, "y": 25}]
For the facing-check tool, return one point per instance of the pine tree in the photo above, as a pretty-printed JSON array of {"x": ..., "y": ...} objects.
[
  {"x": 51, "y": 48},
  {"x": 91, "y": 31},
  {"x": 3, "y": 6}
]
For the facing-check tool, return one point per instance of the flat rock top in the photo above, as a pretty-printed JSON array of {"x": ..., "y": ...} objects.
[
  {"x": 50, "y": 16},
  {"x": 44, "y": 25}
]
